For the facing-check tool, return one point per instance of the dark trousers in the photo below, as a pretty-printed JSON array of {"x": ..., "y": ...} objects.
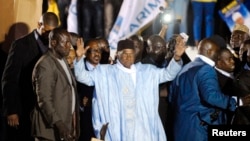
[
  {"x": 91, "y": 18},
  {"x": 2, "y": 127},
  {"x": 63, "y": 5},
  {"x": 163, "y": 104},
  {"x": 86, "y": 126}
]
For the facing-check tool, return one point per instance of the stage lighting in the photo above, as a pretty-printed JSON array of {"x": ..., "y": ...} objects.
[{"x": 167, "y": 15}]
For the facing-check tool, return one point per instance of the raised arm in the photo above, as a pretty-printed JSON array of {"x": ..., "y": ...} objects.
[
  {"x": 175, "y": 65},
  {"x": 180, "y": 48},
  {"x": 81, "y": 74},
  {"x": 80, "y": 50}
]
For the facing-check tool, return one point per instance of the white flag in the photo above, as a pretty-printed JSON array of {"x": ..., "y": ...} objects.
[
  {"x": 72, "y": 23},
  {"x": 133, "y": 15}
]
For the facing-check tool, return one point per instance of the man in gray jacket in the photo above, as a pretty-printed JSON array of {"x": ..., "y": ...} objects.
[{"x": 56, "y": 114}]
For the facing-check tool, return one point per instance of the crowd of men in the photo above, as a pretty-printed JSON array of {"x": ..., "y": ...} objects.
[{"x": 57, "y": 86}]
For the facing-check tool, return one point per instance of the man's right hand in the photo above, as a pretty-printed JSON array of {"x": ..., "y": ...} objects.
[
  {"x": 180, "y": 48},
  {"x": 13, "y": 120},
  {"x": 80, "y": 50}
]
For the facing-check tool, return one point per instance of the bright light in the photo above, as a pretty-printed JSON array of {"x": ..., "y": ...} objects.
[{"x": 167, "y": 18}]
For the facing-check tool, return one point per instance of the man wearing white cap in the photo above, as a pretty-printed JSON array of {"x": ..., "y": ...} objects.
[
  {"x": 239, "y": 35},
  {"x": 238, "y": 18}
]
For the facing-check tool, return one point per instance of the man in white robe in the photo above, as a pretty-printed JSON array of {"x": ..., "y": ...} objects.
[{"x": 127, "y": 94}]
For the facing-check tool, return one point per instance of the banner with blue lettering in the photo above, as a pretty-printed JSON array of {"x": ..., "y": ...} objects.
[
  {"x": 235, "y": 12},
  {"x": 133, "y": 15}
]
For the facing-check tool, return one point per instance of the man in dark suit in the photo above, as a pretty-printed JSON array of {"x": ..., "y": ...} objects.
[
  {"x": 224, "y": 66},
  {"x": 224, "y": 69},
  {"x": 18, "y": 95},
  {"x": 242, "y": 83}
]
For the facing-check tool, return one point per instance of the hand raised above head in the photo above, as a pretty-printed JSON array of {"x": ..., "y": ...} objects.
[
  {"x": 80, "y": 50},
  {"x": 180, "y": 48}
]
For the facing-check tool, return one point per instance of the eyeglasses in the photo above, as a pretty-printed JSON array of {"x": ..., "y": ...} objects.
[{"x": 93, "y": 51}]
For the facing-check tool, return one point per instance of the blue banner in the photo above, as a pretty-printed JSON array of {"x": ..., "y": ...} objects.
[{"x": 235, "y": 12}]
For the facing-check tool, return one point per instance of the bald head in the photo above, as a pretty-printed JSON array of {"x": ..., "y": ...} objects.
[
  {"x": 208, "y": 48},
  {"x": 154, "y": 40},
  {"x": 50, "y": 19},
  {"x": 136, "y": 38},
  {"x": 156, "y": 48},
  {"x": 47, "y": 22}
]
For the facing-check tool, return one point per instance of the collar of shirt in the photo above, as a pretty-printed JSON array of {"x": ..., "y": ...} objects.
[
  {"x": 206, "y": 60},
  {"x": 225, "y": 73},
  {"x": 131, "y": 71},
  {"x": 36, "y": 35},
  {"x": 121, "y": 67},
  {"x": 90, "y": 66}
]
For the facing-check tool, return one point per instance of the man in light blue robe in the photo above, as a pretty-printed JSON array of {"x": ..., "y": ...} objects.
[{"x": 127, "y": 94}]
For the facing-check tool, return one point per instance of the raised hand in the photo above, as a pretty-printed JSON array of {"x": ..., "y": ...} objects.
[
  {"x": 180, "y": 48},
  {"x": 80, "y": 50}
]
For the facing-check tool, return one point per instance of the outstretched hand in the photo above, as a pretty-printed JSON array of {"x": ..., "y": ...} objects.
[
  {"x": 180, "y": 48},
  {"x": 80, "y": 50}
]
